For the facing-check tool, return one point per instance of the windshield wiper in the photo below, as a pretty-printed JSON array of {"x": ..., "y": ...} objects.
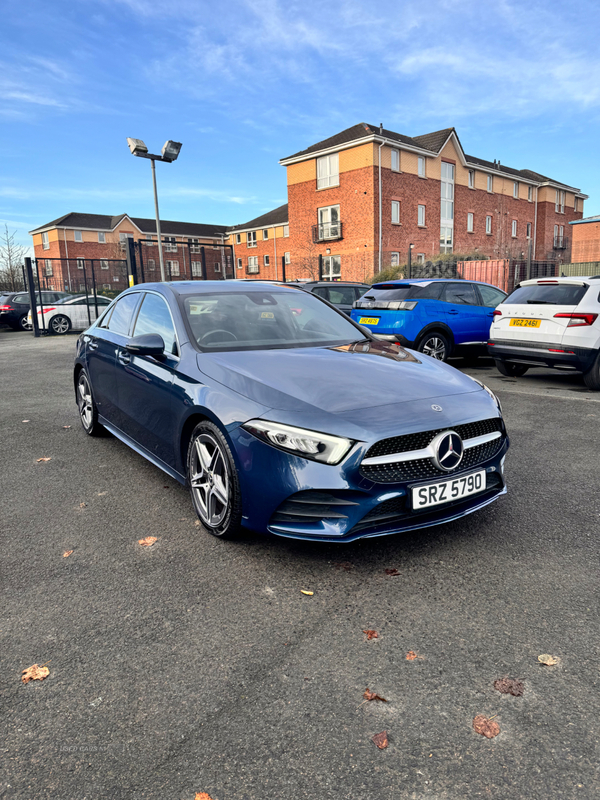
[{"x": 541, "y": 303}]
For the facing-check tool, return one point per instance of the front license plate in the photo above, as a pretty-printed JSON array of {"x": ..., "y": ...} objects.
[
  {"x": 368, "y": 320},
  {"x": 524, "y": 323},
  {"x": 432, "y": 494}
]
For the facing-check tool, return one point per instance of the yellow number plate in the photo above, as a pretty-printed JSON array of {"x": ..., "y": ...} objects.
[
  {"x": 368, "y": 320},
  {"x": 524, "y": 323}
]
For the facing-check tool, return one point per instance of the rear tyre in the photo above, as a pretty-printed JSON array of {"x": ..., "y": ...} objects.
[
  {"x": 88, "y": 413},
  {"x": 434, "y": 344},
  {"x": 60, "y": 325},
  {"x": 214, "y": 482},
  {"x": 592, "y": 376},
  {"x": 511, "y": 370}
]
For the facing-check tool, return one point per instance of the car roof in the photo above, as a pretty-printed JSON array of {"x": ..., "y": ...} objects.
[
  {"x": 426, "y": 281},
  {"x": 334, "y": 283},
  {"x": 577, "y": 280},
  {"x": 193, "y": 287}
]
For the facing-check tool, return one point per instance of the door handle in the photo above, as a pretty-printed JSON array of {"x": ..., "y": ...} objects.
[
  {"x": 93, "y": 344},
  {"x": 124, "y": 357},
  {"x": 453, "y": 311}
]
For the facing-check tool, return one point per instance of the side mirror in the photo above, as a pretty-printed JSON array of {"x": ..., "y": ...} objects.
[{"x": 149, "y": 344}]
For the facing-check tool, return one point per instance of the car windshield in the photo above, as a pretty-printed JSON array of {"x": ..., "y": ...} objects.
[
  {"x": 558, "y": 294},
  {"x": 270, "y": 319}
]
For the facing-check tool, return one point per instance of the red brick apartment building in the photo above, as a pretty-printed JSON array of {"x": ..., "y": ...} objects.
[{"x": 359, "y": 199}]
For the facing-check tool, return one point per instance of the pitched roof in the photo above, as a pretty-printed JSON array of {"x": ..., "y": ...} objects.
[
  {"x": 278, "y": 216},
  {"x": 433, "y": 142},
  {"x": 104, "y": 222}
]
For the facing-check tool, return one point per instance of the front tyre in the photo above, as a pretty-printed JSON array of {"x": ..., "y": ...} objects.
[
  {"x": 592, "y": 376},
  {"x": 214, "y": 482},
  {"x": 434, "y": 344},
  {"x": 59, "y": 325},
  {"x": 88, "y": 413},
  {"x": 511, "y": 370}
]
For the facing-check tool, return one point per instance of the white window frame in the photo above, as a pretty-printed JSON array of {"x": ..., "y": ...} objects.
[
  {"x": 490, "y": 183},
  {"x": 470, "y": 221},
  {"x": 104, "y": 263},
  {"x": 81, "y": 263},
  {"x": 251, "y": 239},
  {"x": 395, "y": 212},
  {"x": 328, "y": 263},
  {"x": 328, "y": 171},
  {"x": 395, "y": 159},
  {"x": 101, "y": 237},
  {"x": 196, "y": 269},
  {"x": 559, "y": 202},
  {"x": 575, "y": 204},
  {"x": 151, "y": 264},
  {"x": 514, "y": 229},
  {"x": 287, "y": 258},
  {"x": 421, "y": 216},
  {"x": 420, "y": 258},
  {"x": 265, "y": 234},
  {"x": 240, "y": 263},
  {"x": 395, "y": 259},
  {"x": 170, "y": 244},
  {"x": 488, "y": 223},
  {"x": 45, "y": 241},
  {"x": 421, "y": 167},
  {"x": 106, "y": 286},
  {"x": 116, "y": 279},
  {"x": 516, "y": 190},
  {"x": 217, "y": 266},
  {"x": 238, "y": 238},
  {"x": 528, "y": 229},
  {"x": 48, "y": 267},
  {"x": 530, "y": 194},
  {"x": 562, "y": 202},
  {"x": 252, "y": 265},
  {"x": 328, "y": 228},
  {"x": 286, "y": 230},
  {"x": 78, "y": 236},
  {"x": 471, "y": 179},
  {"x": 194, "y": 245},
  {"x": 266, "y": 261},
  {"x": 172, "y": 267}
]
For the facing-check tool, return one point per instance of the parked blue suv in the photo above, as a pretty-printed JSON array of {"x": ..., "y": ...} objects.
[{"x": 437, "y": 317}]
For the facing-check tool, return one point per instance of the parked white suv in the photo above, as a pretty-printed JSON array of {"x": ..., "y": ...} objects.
[{"x": 549, "y": 322}]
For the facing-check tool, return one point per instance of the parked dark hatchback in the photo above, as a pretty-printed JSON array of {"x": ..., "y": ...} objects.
[
  {"x": 341, "y": 294},
  {"x": 14, "y": 307}
]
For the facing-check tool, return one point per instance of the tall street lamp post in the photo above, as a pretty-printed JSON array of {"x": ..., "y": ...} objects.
[{"x": 169, "y": 153}]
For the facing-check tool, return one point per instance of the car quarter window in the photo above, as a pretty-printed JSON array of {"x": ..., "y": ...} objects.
[
  {"x": 321, "y": 291},
  {"x": 120, "y": 319},
  {"x": 461, "y": 294},
  {"x": 491, "y": 296},
  {"x": 155, "y": 317}
]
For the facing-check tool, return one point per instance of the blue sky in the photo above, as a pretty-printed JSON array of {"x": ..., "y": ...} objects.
[{"x": 246, "y": 82}]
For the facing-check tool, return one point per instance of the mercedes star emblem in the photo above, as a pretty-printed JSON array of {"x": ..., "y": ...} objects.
[
  {"x": 437, "y": 408},
  {"x": 448, "y": 450}
]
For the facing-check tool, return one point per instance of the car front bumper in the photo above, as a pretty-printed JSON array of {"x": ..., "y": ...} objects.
[{"x": 542, "y": 354}]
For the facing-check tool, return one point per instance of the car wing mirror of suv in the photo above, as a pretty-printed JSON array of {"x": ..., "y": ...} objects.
[{"x": 148, "y": 344}]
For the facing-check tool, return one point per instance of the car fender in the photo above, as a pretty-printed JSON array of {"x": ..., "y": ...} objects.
[{"x": 436, "y": 326}]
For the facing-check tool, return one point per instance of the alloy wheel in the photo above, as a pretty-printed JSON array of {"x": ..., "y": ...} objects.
[
  {"x": 209, "y": 480},
  {"x": 85, "y": 402},
  {"x": 25, "y": 324},
  {"x": 434, "y": 347},
  {"x": 60, "y": 324}
]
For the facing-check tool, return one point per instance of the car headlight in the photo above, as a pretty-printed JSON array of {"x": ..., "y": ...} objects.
[
  {"x": 308, "y": 444},
  {"x": 489, "y": 391}
]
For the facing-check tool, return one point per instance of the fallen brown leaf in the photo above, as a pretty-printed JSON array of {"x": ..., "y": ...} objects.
[
  {"x": 509, "y": 686},
  {"x": 148, "y": 541},
  {"x": 381, "y": 740},
  {"x": 486, "y": 727},
  {"x": 46, "y": 458},
  {"x": 369, "y": 695},
  {"x": 202, "y": 796},
  {"x": 82, "y": 505},
  {"x": 67, "y": 553},
  {"x": 371, "y": 634},
  {"x": 393, "y": 572},
  {"x": 101, "y": 494},
  {"x": 548, "y": 660},
  {"x": 66, "y": 427},
  {"x": 35, "y": 673},
  {"x": 411, "y": 655},
  {"x": 305, "y": 591}
]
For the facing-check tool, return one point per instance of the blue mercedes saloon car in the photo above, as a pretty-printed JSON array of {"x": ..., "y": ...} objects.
[
  {"x": 284, "y": 416},
  {"x": 436, "y": 317}
]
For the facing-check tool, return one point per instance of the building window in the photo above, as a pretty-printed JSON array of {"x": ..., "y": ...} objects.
[
  {"x": 151, "y": 264},
  {"x": 395, "y": 212},
  {"x": 447, "y": 208},
  {"x": 576, "y": 204},
  {"x": 328, "y": 171},
  {"x": 529, "y": 230},
  {"x": 106, "y": 286},
  {"x": 194, "y": 245},
  {"x": 170, "y": 244},
  {"x": 559, "y": 205},
  {"x": 329, "y": 222},
  {"x": 530, "y": 193},
  {"x": 286, "y": 230},
  {"x": 265, "y": 234},
  {"x": 516, "y": 190},
  {"x": 420, "y": 258},
  {"x": 104, "y": 263},
  {"x": 239, "y": 263},
  {"x": 251, "y": 239},
  {"x": 421, "y": 216},
  {"x": 101, "y": 237},
  {"x": 421, "y": 166},
  {"x": 217, "y": 267},
  {"x": 266, "y": 261},
  {"x": 82, "y": 287},
  {"x": 514, "y": 228},
  {"x": 488, "y": 224},
  {"x": 78, "y": 236},
  {"x": 173, "y": 267},
  {"x": 45, "y": 242},
  {"x": 469, "y": 222},
  {"x": 81, "y": 263},
  {"x": 48, "y": 266},
  {"x": 332, "y": 268},
  {"x": 395, "y": 260},
  {"x": 490, "y": 183},
  {"x": 252, "y": 264},
  {"x": 471, "y": 179},
  {"x": 287, "y": 258},
  {"x": 196, "y": 269},
  {"x": 238, "y": 238},
  {"x": 396, "y": 160}
]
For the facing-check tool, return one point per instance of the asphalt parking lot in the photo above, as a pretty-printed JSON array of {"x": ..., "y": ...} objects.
[{"x": 198, "y": 665}]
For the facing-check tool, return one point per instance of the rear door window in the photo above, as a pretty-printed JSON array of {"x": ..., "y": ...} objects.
[
  {"x": 431, "y": 291},
  {"x": 460, "y": 294},
  {"x": 120, "y": 319},
  {"x": 555, "y": 294}
]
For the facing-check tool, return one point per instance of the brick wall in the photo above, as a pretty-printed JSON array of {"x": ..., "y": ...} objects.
[
  {"x": 547, "y": 219},
  {"x": 586, "y": 242}
]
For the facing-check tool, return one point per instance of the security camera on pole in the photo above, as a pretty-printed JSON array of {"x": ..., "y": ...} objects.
[{"x": 169, "y": 153}]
